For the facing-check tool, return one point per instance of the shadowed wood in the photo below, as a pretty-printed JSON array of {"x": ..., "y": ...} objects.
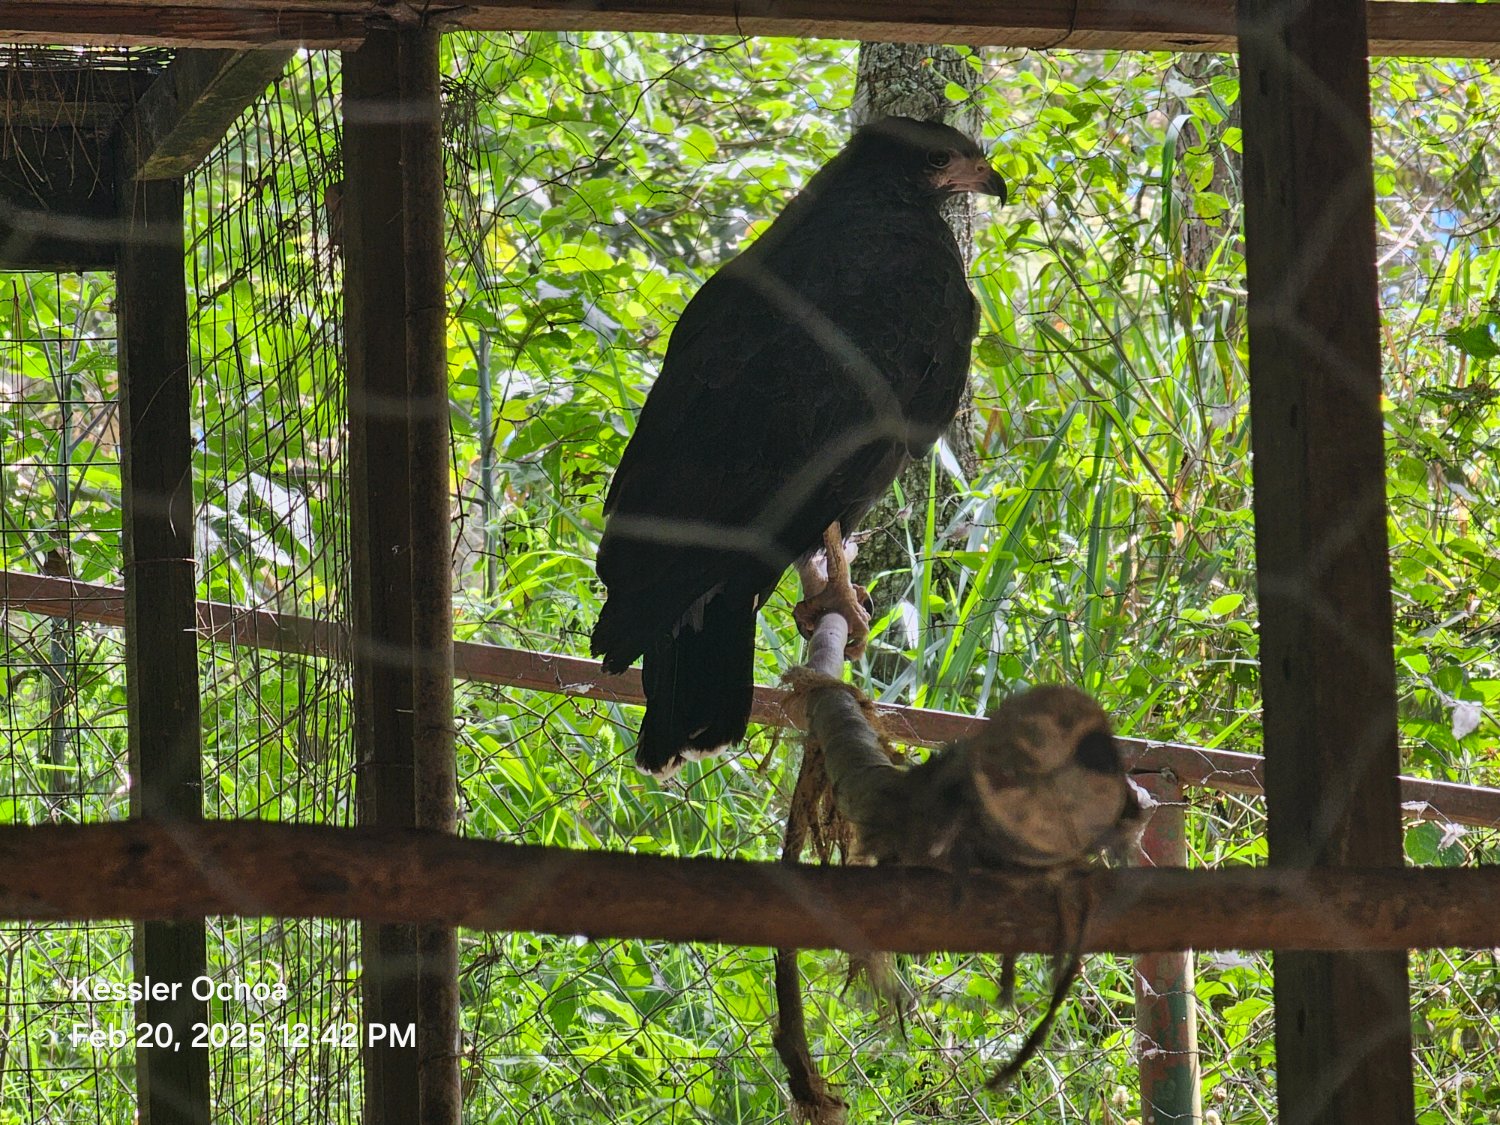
[
  {"x": 262, "y": 869},
  {"x": 161, "y": 646},
  {"x": 380, "y": 538},
  {"x": 1328, "y": 673},
  {"x": 190, "y": 106},
  {"x": 435, "y": 777},
  {"x": 1397, "y": 27},
  {"x": 1225, "y": 771},
  {"x": 229, "y": 23}
]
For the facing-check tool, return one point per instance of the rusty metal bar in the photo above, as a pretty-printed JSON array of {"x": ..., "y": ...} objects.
[
  {"x": 1224, "y": 771},
  {"x": 1166, "y": 1013}
]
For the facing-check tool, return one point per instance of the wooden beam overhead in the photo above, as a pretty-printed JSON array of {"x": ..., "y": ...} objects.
[
  {"x": 263, "y": 869},
  {"x": 190, "y": 107},
  {"x": 227, "y": 23},
  {"x": 1396, "y": 27}
]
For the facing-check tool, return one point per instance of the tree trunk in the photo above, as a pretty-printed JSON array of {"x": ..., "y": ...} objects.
[
  {"x": 911, "y": 80},
  {"x": 1200, "y": 236}
]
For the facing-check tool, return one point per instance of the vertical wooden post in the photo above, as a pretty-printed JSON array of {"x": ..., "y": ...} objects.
[
  {"x": 1166, "y": 1015},
  {"x": 1343, "y": 1035},
  {"x": 432, "y": 548},
  {"x": 161, "y": 641},
  {"x": 395, "y": 296},
  {"x": 380, "y": 534}
]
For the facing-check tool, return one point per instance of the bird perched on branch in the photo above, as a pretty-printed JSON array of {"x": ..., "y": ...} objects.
[{"x": 798, "y": 381}]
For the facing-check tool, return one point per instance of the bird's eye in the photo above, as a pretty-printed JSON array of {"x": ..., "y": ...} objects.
[{"x": 939, "y": 159}]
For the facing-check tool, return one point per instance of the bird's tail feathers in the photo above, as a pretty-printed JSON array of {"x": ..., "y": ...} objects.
[
  {"x": 699, "y": 682},
  {"x": 612, "y": 639},
  {"x": 629, "y": 622}
]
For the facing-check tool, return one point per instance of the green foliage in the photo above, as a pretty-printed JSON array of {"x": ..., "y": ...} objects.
[{"x": 1106, "y": 538}]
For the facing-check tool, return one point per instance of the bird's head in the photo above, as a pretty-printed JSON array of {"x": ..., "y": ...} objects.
[{"x": 933, "y": 159}]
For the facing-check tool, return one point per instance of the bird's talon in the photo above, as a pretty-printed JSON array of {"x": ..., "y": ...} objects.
[{"x": 852, "y": 603}]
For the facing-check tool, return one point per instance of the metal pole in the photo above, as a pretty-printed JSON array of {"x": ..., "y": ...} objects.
[{"x": 1166, "y": 1015}]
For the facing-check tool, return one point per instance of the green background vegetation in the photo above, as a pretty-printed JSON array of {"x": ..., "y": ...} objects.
[{"x": 1105, "y": 539}]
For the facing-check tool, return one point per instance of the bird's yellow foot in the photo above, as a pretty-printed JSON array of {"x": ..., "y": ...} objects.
[{"x": 826, "y": 589}]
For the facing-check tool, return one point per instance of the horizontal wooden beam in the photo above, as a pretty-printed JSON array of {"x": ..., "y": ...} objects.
[
  {"x": 138, "y": 869},
  {"x": 1396, "y": 27},
  {"x": 190, "y": 107},
  {"x": 1225, "y": 771},
  {"x": 140, "y": 23}
]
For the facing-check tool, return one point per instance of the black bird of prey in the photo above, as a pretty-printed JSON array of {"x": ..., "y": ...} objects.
[{"x": 798, "y": 381}]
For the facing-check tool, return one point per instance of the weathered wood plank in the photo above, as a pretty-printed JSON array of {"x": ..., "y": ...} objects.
[
  {"x": 227, "y": 24},
  {"x": 1207, "y": 25},
  {"x": 161, "y": 645},
  {"x": 190, "y": 106},
  {"x": 431, "y": 607},
  {"x": 1343, "y": 1027},
  {"x": 1397, "y": 27},
  {"x": 264, "y": 869},
  {"x": 380, "y": 480}
]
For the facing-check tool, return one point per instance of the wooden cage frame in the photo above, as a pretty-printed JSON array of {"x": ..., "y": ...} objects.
[{"x": 1336, "y": 904}]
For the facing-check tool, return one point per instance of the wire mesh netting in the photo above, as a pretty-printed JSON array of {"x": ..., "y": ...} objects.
[
  {"x": 63, "y": 703},
  {"x": 1092, "y": 526},
  {"x": 1099, "y": 531},
  {"x": 1453, "y": 992},
  {"x": 272, "y": 538}
]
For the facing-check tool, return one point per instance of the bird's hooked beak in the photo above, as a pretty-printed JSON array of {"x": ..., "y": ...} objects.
[{"x": 971, "y": 174}]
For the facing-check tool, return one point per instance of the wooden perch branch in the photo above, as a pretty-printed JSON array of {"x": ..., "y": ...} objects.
[{"x": 142, "y": 870}]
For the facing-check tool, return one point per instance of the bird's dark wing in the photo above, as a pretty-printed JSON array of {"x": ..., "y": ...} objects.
[{"x": 795, "y": 383}]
